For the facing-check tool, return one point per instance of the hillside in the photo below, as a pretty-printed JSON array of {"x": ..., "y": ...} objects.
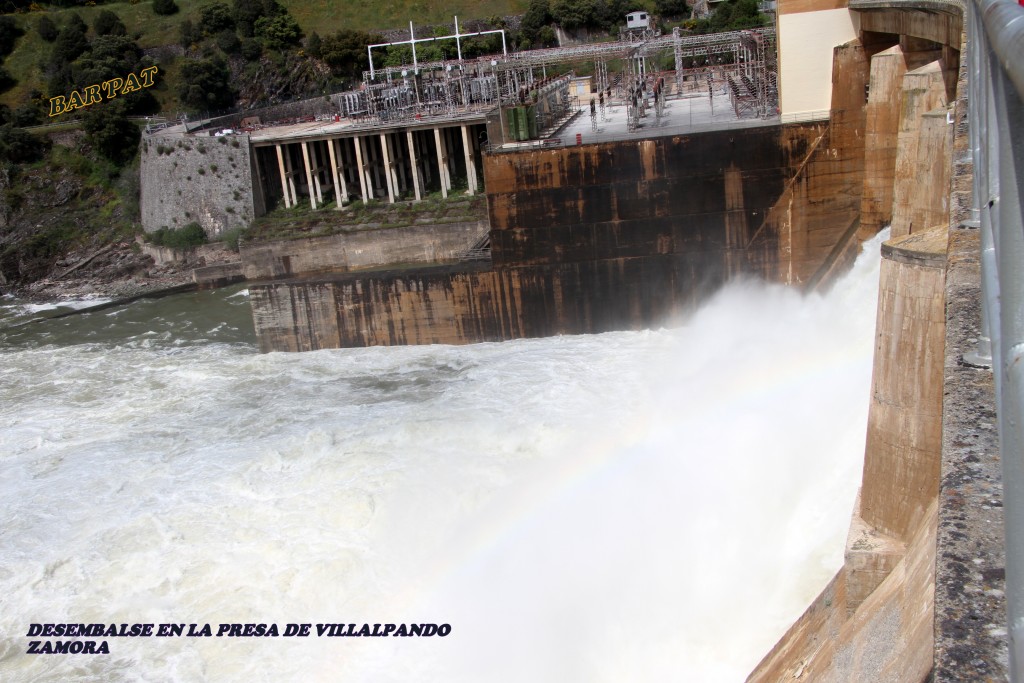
[{"x": 151, "y": 30}]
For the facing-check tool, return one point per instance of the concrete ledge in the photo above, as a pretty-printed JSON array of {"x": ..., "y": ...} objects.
[
  {"x": 970, "y": 608},
  {"x": 870, "y": 557},
  {"x": 925, "y": 249},
  {"x": 219, "y": 275}
]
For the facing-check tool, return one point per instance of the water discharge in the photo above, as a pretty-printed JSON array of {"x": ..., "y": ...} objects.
[{"x": 641, "y": 506}]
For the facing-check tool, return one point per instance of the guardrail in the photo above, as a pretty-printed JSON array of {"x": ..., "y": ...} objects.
[{"x": 995, "y": 56}]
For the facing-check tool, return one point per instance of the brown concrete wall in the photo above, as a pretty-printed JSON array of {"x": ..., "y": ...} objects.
[
  {"x": 887, "y": 69},
  {"x": 888, "y": 639},
  {"x": 680, "y": 194},
  {"x": 942, "y": 25},
  {"x": 599, "y": 237},
  {"x": 443, "y": 306},
  {"x": 873, "y": 623},
  {"x": 901, "y": 463},
  {"x": 359, "y": 250},
  {"x": 921, "y": 187},
  {"x": 814, "y": 220}
]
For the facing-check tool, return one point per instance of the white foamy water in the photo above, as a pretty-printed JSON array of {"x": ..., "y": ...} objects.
[{"x": 635, "y": 506}]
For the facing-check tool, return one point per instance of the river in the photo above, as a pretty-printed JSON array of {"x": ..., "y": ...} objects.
[{"x": 631, "y": 506}]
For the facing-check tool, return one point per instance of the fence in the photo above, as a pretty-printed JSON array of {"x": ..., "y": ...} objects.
[{"x": 995, "y": 92}]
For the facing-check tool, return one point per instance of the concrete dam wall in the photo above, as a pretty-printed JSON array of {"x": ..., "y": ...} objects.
[{"x": 618, "y": 235}]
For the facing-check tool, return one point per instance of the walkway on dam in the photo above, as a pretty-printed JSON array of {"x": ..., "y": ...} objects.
[{"x": 690, "y": 113}]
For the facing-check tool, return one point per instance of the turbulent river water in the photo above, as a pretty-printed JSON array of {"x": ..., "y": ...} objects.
[{"x": 632, "y": 506}]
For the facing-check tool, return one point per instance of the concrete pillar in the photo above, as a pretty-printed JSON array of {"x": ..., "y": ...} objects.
[
  {"x": 881, "y": 130},
  {"x": 449, "y": 152},
  {"x": 335, "y": 175},
  {"x": 318, "y": 165},
  {"x": 361, "y": 169},
  {"x": 424, "y": 152},
  {"x": 339, "y": 145},
  {"x": 442, "y": 163},
  {"x": 924, "y": 90},
  {"x": 904, "y": 438},
  {"x": 389, "y": 171},
  {"x": 309, "y": 174},
  {"x": 284, "y": 178},
  {"x": 290, "y": 172},
  {"x": 467, "y": 148},
  {"x": 397, "y": 167},
  {"x": 412, "y": 164}
]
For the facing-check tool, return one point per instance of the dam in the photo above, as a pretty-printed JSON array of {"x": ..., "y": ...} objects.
[{"x": 610, "y": 234}]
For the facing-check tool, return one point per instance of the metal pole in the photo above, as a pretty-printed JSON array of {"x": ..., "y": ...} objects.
[
  {"x": 412, "y": 40},
  {"x": 458, "y": 41},
  {"x": 999, "y": 34}
]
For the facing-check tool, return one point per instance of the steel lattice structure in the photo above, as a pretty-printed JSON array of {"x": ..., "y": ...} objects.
[{"x": 432, "y": 88}]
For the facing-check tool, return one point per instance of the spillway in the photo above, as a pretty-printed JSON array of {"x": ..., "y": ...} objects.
[{"x": 640, "y": 506}]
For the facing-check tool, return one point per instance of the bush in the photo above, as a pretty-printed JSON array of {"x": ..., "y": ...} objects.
[
  {"x": 75, "y": 21},
  {"x": 71, "y": 44},
  {"x": 278, "y": 32},
  {"x": 109, "y": 131},
  {"x": 216, "y": 18},
  {"x": 227, "y": 40},
  {"x": 46, "y": 29},
  {"x": 9, "y": 32},
  {"x": 314, "y": 45},
  {"x": 251, "y": 49},
  {"x": 188, "y": 34},
  {"x": 107, "y": 23},
  {"x": 7, "y": 81},
  {"x": 233, "y": 237},
  {"x": 18, "y": 146},
  {"x": 27, "y": 114},
  {"x": 188, "y": 237},
  {"x": 205, "y": 85},
  {"x": 164, "y": 7}
]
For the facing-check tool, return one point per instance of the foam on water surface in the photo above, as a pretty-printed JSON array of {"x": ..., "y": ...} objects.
[{"x": 640, "y": 506}]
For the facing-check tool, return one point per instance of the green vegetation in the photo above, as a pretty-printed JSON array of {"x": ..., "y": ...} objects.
[
  {"x": 188, "y": 237},
  {"x": 302, "y": 221},
  {"x": 732, "y": 15},
  {"x": 164, "y": 8},
  {"x": 99, "y": 205},
  {"x": 231, "y": 238},
  {"x": 110, "y": 132}
]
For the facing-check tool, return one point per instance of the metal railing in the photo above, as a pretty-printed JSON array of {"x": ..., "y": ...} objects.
[{"x": 995, "y": 95}]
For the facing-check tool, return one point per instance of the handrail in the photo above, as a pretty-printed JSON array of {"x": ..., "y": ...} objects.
[{"x": 996, "y": 101}]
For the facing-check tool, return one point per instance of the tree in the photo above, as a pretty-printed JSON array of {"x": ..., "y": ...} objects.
[
  {"x": 216, "y": 18},
  {"x": 7, "y": 81},
  {"x": 251, "y": 49},
  {"x": 345, "y": 52},
  {"x": 107, "y": 23},
  {"x": 571, "y": 14},
  {"x": 27, "y": 114},
  {"x": 69, "y": 46},
  {"x": 314, "y": 45},
  {"x": 46, "y": 29},
  {"x": 278, "y": 32},
  {"x": 75, "y": 21},
  {"x": 227, "y": 40},
  {"x": 9, "y": 32},
  {"x": 248, "y": 11},
  {"x": 546, "y": 37},
  {"x": 188, "y": 34},
  {"x": 110, "y": 133},
  {"x": 538, "y": 15},
  {"x": 671, "y": 8},
  {"x": 205, "y": 84},
  {"x": 164, "y": 8},
  {"x": 17, "y": 146}
]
